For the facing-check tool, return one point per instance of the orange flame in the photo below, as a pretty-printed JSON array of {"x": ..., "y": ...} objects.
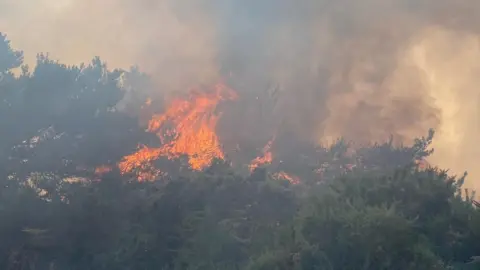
[
  {"x": 101, "y": 170},
  {"x": 140, "y": 162},
  {"x": 187, "y": 127},
  {"x": 137, "y": 160},
  {"x": 423, "y": 164},
  {"x": 290, "y": 178},
  {"x": 266, "y": 158}
]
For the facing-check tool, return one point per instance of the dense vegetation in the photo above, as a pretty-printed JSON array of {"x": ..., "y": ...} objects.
[{"x": 55, "y": 119}]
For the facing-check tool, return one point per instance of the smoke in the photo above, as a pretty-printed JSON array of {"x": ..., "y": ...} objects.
[
  {"x": 178, "y": 51},
  {"x": 449, "y": 63},
  {"x": 363, "y": 70}
]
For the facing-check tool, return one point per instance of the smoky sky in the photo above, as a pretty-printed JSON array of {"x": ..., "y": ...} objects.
[{"x": 365, "y": 70}]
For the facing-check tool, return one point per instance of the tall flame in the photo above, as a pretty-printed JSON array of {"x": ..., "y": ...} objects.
[
  {"x": 266, "y": 157},
  {"x": 187, "y": 127}
]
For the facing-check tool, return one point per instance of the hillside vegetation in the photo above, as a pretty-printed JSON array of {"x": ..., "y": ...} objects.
[{"x": 58, "y": 124}]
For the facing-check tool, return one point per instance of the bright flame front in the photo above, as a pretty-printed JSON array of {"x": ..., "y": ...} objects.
[{"x": 187, "y": 127}]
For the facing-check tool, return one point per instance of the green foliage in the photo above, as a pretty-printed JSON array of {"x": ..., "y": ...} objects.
[
  {"x": 408, "y": 220},
  {"x": 52, "y": 118},
  {"x": 9, "y": 58}
]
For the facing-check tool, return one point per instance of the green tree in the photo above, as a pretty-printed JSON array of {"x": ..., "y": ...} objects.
[{"x": 62, "y": 119}]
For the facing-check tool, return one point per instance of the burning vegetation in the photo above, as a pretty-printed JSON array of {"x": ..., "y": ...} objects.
[{"x": 187, "y": 127}]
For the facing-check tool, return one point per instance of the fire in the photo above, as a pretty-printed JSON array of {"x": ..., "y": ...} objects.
[
  {"x": 290, "y": 178},
  {"x": 143, "y": 156},
  {"x": 187, "y": 127},
  {"x": 194, "y": 123},
  {"x": 141, "y": 163},
  {"x": 266, "y": 158},
  {"x": 100, "y": 170}
]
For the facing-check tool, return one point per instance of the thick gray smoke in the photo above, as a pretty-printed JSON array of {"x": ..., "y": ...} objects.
[{"x": 364, "y": 70}]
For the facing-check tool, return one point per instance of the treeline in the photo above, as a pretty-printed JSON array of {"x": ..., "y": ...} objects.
[
  {"x": 408, "y": 219},
  {"x": 58, "y": 123}
]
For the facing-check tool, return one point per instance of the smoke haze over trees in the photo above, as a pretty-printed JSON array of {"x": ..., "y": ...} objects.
[
  {"x": 397, "y": 67},
  {"x": 255, "y": 124},
  {"x": 371, "y": 209}
]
